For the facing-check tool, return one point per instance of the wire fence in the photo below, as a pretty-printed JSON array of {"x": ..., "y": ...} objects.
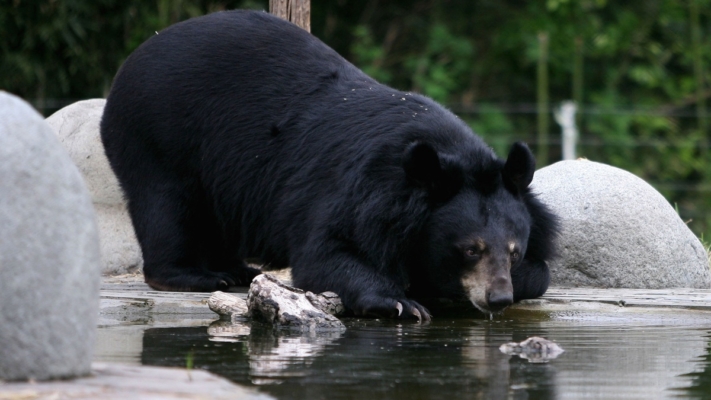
[{"x": 680, "y": 111}]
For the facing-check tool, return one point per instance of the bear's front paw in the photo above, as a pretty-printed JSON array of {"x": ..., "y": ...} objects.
[
  {"x": 388, "y": 307},
  {"x": 244, "y": 275},
  {"x": 220, "y": 280},
  {"x": 194, "y": 281}
]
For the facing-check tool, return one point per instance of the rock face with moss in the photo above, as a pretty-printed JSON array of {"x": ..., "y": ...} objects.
[
  {"x": 49, "y": 252},
  {"x": 618, "y": 231}
]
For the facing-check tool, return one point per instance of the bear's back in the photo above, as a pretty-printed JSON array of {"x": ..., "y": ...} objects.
[
  {"x": 242, "y": 78},
  {"x": 227, "y": 53},
  {"x": 229, "y": 93}
]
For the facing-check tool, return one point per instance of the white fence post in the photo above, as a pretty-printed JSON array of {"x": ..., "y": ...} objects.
[{"x": 565, "y": 117}]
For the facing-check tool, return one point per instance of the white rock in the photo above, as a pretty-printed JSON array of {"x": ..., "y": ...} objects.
[
  {"x": 618, "y": 231},
  {"x": 120, "y": 251},
  {"x": 49, "y": 252},
  {"x": 77, "y": 127}
]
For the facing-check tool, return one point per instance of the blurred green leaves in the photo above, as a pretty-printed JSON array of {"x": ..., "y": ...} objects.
[
  {"x": 644, "y": 82},
  {"x": 444, "y": 61}
]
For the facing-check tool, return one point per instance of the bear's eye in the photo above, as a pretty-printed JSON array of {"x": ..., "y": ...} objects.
[
  {"x": 472, "y": 252},
  {"x": 515, "y": 255}
]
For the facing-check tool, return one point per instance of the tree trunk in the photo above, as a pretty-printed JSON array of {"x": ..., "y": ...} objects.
[{"x": 295, "y": 11}]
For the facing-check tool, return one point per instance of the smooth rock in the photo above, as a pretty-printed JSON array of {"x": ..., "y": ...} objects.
[
  {"x": 49, "y": 252},
  {"x": 227, "y": 305},
  {"x": 618, "y": 231},
  {"x": 77, "y": 126},
  {"x": 120, "y": 251},
  {"x": 286, "y": 307}
]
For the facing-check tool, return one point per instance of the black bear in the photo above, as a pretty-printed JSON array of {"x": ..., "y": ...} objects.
[{"x": 238, "y": 135}]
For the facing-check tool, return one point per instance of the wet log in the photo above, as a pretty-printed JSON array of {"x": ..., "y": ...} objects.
[
  {"x": 269, "y": 300},
  {"x": 327, "y": 302},
  {"x": 286, "y": 307}
]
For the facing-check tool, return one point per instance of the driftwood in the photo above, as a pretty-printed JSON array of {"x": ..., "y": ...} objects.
[
  {"x": 535, "y": 349},
  {"x": 327, "y": 302},
  {"x": 271, "y": 301},
  {"x": 283, "y": 306}
]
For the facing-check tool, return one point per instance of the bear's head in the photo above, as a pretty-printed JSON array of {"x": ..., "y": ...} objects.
[{"x": 478, "y": 226}]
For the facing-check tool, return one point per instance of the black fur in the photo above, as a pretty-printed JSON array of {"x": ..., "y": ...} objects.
[{"x": 239, "y": 135}]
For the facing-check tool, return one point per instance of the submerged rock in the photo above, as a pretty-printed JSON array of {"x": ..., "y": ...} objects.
[
  {"x": 618, "y": 231},
  {"x": 534, "y": 349}
]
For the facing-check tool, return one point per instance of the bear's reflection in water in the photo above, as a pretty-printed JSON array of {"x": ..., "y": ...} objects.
[{"x": 378, "y": 359}]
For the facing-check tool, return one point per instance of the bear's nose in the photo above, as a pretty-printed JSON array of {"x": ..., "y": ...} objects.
[{"x": 498, "y": 300}]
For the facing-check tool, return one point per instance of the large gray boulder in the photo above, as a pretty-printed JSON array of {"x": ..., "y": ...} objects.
[
  {"x": 49, "y": 252},
  {"x": 77, "y": 126},
  {"x": 618, "y": 231}
]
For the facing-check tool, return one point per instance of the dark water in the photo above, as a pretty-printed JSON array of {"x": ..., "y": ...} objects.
[{"x": 607, "y": 356}]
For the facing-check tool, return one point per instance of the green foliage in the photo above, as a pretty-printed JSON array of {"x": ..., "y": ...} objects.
[
  {"x": 640, "y": 90},
  {"x": 495, "y": 127},
  {"x": 71, "y": 49},
  {"x": 443, "y": 62},
  {"x": 368, "y": 55},
  {"x": 190, "y": 360}
]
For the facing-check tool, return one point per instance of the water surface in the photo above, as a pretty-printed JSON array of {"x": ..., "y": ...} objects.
[{"x": 607, "y": 356}]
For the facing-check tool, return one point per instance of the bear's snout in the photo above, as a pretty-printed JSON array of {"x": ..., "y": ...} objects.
[
  {"x": 489, "y": 291},
  {"x": 499, "y": 299}
]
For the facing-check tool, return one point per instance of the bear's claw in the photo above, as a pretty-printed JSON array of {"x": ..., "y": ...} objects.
[
  {"x": 417, "y": 314},
  {"x": 388, "y": 307}
]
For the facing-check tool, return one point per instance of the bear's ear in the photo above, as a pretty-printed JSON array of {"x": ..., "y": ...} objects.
[
  {"x": 439, "y": 175},
  {"x": 519, "y": 168}
]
